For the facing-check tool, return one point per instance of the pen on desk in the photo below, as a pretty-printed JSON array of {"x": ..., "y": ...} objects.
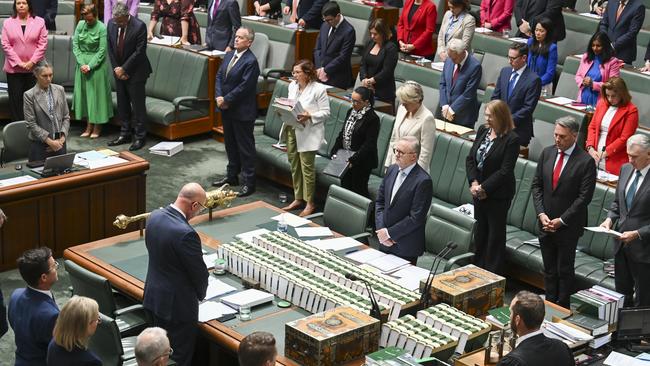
[{"x": 351, "y": 251}]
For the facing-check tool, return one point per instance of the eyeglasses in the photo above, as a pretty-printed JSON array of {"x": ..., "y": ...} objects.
[
  {"x": 56, "y": 266},
  {"x": 513, "y": 58},
  {"x": 400, "y": 152},
  {"x": 357, "y": 102},
  {"x": 203, "y": 207},
  {"x": 99, "y": 320},
  {"x": 168, "y": 354}
]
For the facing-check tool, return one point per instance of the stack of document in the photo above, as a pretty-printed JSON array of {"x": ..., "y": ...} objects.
[
  {"x": 410, "y": 276},
  {"x": 571, "y": 336},
  {"x": 389, "y": 263},
  {"x": 16, "y": 180},
  {"x": 209, "y": 259},
  {"x": 365, "y": 256},
  {"x": 165, "y": 40},
  {"x": 291, "y": 219},
  {"x": 213, "y": 310},
  {"x": 167, "y": 148},
  {"x": 250, "y": 297},
  {"x": 289, "y": 110},
  {"x": 334, "y": 244},
  {"x": 217, "y": 288}
]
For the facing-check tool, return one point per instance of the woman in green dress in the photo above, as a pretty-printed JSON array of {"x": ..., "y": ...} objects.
[{"x": 92, "y": 89}]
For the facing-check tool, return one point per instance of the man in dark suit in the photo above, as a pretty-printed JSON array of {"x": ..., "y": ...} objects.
[
  {"x": 533, "y": 348},
  {"x": 47, "y": 10},
  {"x": 529, "y": 12},
  {"x": 562, "y": 189},
  {"x": 223, "y": 21},
  {"x": 333, "y": 52},
  {"x": 177, "y": 278},
  {"x": 520, "y": 87},
  {"x": 236, "y": 98},
  {"x": 32, "y": 310},
  {"x": 307, "y": 13},
  {"x": 460, "y": 78},
  {"x": 403, "y": 202},
  {"x": 127, "y": 50},
  {"x": 622, "y": 21},
  {"x": 631, "y": 210}
]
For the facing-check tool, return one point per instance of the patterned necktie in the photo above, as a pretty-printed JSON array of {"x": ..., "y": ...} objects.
[
  {"x": 231, "y": 64},
  {"x": 455, "y": 76},
  {"x": 513, "y": 81},
  {"x": 214, "y": 9},
  {"x": 558, "y": 169},
  {"x": 120, "y": 42},
  {"x": 629, "y": 196},
  {"x": 398, "y": 183},
  {"x": 619, "y": 11}
]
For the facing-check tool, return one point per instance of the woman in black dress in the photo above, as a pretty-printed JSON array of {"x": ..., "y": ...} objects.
[{"x": 378, "y": 63}]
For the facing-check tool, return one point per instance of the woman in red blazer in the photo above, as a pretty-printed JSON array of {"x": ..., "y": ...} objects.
[
  {"x": 616, "y": 119},
  {"x": 416, "y": 26},
  {"x": 24, "y": 40},
  {"x": 496, "y": 14}
]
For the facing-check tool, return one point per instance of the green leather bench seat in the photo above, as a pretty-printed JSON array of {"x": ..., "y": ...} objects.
[
  {"x": 359, "y": 16},
  {"x": 579, "y": 30},
  {"x": 495, "y": 56},
  {"x": 282, "y": 44},
  {"x": 545, "y": 116},
  {"x": 425, "y": 76}
]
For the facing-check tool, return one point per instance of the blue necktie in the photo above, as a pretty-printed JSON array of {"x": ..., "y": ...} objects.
[
  {"x": 629, "y": 197},
  {"x": 511, "y": 84}
]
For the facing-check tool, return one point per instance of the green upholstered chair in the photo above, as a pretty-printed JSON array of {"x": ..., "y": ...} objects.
[
  {"x": 386, "y": 122},
  {"x": 545, "y": 116},
  {"x": 579, "y": 30},
  {"x": 108, "y": 344},
  {"x": 15, "y": 142},
  {"x": 130, "y": 320},
  {"x": 427, "y": 77},
  {"x": 495, "y": 56},
  {"x": 566, "y": 85}
]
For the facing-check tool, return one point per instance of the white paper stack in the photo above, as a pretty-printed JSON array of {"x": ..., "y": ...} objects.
[
  {"x": 365, "y": 256},
  {"x": 250, "y": 297},
  {"x": 389, "y": 263},
  {"x": 291, "y": 219},
  {"x": 217, "y": 288},
  {"x": 17, "y": 180},
  {"x": 167, "y": 148},
  {"x": 212, "y": 310},
  {"x": 312, "y": 231},
  {"x": 571, "y": 336},
  {"x": 334, "y": 244},
  {"x": 209, "y": 259}
]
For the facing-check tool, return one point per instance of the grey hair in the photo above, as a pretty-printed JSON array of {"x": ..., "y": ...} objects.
[
  {"x": 251, "y": 32},
  {"x": 413, "y": 142},
  {"x": 150, "y": 345},
  {"x": 568, "y": 122},
  {"x": 456, "y": 45},
  {"x": 410, "y": 92},
  {"x": 640, "y": 140},
  {"x": 42, "y": 64},
  {"x": 120, "y": 10}
]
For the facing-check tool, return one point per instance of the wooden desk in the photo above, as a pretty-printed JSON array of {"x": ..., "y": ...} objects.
[{"x": 67, "y": 210}]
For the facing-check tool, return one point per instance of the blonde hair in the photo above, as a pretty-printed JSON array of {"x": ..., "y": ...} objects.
[
  {"x": 501, "y": 116},
  {"x": 71, "y": 328},
  {"x": 410, "y": 92}
]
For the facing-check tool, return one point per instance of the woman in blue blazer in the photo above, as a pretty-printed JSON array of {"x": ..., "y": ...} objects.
[
  {"x": 542, "y": 54},
  {"x": 77, "y": 322}
]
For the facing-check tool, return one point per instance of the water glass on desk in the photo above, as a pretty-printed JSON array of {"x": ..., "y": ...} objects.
[{"x": 245, "y": 313}]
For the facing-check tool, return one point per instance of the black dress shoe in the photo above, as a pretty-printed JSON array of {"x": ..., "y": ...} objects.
[
  {"x": 225, "y": 180},
  {"x": 137, "y": 145},
  {"x": 120, "y": 141},
  {"x": 246, "y": 191}
]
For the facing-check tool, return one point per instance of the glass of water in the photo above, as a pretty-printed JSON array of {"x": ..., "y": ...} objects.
[{"x": 244, "y": 313}]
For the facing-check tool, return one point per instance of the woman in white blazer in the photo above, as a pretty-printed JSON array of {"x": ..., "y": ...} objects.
[
  {"x": 456, "y": 23},
  {"x": 302, "y": 143},
  {"x": 413, "y": 119}
]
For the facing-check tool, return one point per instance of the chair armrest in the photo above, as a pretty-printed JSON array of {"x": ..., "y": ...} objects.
[
  {"x": 361, "y": 235},
  {"x": 178, "y": 101},
  {"x": 358, "y": 49},
  {"x": 129, "y": 309},
  {"x": 275, "y": 73},
  {"x": 313, "y": 216},
  {"x": 461, "y": 257},
  {"x": 2, "y": 157}
]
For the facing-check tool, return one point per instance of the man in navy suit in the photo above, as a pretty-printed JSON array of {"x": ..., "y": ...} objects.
[
  {"x": 520, "y": 87},
  {"x": 32, "y": 310},
  {"x": 47, "y": 10},
  {"x": 177, "y": 278},
  {"x": 307, "y": 13},
  {"x": 223, "y": 21},
  {"x": 334, "y": 46},
  {"x": 236, "y": 89},
  {"x": 403, "y": 202},
  {"x": 458, "y": 84},
  {"x": 622, "y": 21}
]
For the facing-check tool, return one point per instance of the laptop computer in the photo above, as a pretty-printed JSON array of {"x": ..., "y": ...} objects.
[{"x": 56, "y": 165}]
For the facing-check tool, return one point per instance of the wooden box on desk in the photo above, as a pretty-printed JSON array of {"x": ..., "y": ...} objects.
[
  {"x": 332, "y": 337},
  {"x": 470, "y": 289}
]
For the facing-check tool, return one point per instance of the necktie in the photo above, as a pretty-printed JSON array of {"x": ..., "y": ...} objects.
[
  {"x": 294, "y": 11},
  {"x": 398, "y": 183},
  {"x": 232, "y": 63},
  {"x": 629, "y": 196},
  {"x": 214, "y": 9},
  {"x": 120, "y": 43},
  {"x": 620, "y": 10},
  {"x": 330, "y": 36},
  {"x": 455, "y": 76},
  {"x": 558, "y": 169},
  {"x": 511, "y": 84}
]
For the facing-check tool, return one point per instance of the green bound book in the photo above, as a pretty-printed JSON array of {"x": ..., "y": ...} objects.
[
  {"x": 502, "y": 314},
  {"x": 584, "y": 305},
  {"x": 595, "y": 326}
]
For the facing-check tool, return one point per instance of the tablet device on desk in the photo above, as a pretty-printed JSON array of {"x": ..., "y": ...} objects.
[{"x": 55, "y": 165}]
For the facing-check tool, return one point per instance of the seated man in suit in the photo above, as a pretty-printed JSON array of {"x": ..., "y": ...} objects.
[
  {"x": 533, "y": 348},
  {"x": 403, "y": 202},
  {"x": 307, "y": 13},
  {"x": 257, "y": 349},
  {"x": 334, "y": 46},
  {"x": 520, "y": 87},
  {"x": 631, "y": 211},
  {"x": 622, "y": 21},
  {"x": 152, "y": 347},
  {"x": 223, "y": 21},
  {"x": 32, "y": 310},
  {"x": 458, "y": 84}
]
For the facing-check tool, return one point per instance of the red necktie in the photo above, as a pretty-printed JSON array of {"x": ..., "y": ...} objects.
[
  {"x": 620, "y": 10},
  {"x": 455, "y": 76},
  {"x": 214, "y": 10},
  {"x": 120, "y": 43},
  {"x": 558, "y": 169}
]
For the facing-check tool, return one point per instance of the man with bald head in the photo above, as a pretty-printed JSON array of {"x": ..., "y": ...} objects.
[{"x": 177, "y": 278}]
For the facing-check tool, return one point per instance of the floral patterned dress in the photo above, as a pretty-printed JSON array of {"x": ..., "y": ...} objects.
[{"x": 172, "y": 13}]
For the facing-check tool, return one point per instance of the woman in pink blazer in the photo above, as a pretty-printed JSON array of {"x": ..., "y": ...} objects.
[
  {"x": 24, "y": 40},
  {"x": 496, "y": 14},
  {"x": 597, "y": 65},
  {"x": 416, "y": 26}
]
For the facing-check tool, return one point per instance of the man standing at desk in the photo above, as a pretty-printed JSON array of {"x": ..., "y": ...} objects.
[
  {"x": 177, "y": 278},
  {"x": 334, "y": 45},
  {"x": 458, "y": 84}
]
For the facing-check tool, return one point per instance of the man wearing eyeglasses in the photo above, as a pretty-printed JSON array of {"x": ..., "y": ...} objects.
[
  {"x": 177, "y": 278},
  {"x": 403, "y": 202},
  {"x": 334, "y": 46},
  {"x": 520, "y": 87}
]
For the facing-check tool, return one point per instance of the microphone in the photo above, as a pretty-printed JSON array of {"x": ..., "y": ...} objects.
[
  {"x": 425, "y": 296},
  {"x": 375, "y": 312}
]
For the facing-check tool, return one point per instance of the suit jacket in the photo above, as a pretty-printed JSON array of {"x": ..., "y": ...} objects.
[
  {"x": 498, "y": 13},
  {"x": 39, "y": 122},
  {"x": 539, "y": 350},
  {"x": 314, "y": 100},
  {"x": 177, "y": 278},
  {"x": 623, "y": 125},
  {"x": 419, "y": 31},
  {"x": 363, "y": 141},
  {"x": 383, "y": 72},
  {"x": 19, "y": 47},
  {"x": 608, "y": 70},
  {"x": 58, "y": 356},
  {"x": 310, "y": 11},
  {"x": 335, "y": 54},
  {"x": 32, "y": 315},
  {"x": 422, "y": 126},
  {"x": 464, "y": 31},
  {"x": 239, "y": 87},
  {"x": 461, "y": 96},
  {"x": 623, "y": 33},
  {"x": 543, "y": 65},
  {"x": 497, "y": 177},
  {"x": 47, "y": 10},
  {"x": 406, "y": 215},
  {"x": 571, "y": 196},
  {"x": 522, "y": 102},
  {"x": 635, "y": 217},
  {"x": 134, "y": 59},
  {"x": 534, "y": 10},
  {"x": 221, "y": 29},
  {"x": 109, "y": 4}
]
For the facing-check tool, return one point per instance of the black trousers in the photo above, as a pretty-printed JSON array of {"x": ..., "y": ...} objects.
[
  {"x": 17, "y": 85},
  {"x": 38, "y": 151},
  {"x": 240, "y": 149},
  {"x": 559, "y": 255},
  {"x": 490, "y": 237},
  {"x": 131, "y": 108},
  {"x": 182, "y": 338},
  {"x": 356, "y": 180},
  {"x": 632, "y": 278}
]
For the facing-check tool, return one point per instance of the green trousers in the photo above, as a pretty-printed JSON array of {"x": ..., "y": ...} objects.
[{"x": 303, "y": 173}]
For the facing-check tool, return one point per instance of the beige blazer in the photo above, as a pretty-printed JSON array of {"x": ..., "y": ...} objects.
[
  {"x": 40, "y": 125},
  {"x": 422, "y": 126},
  {"x": 315, "y": 101},
  {"x": 463, "y": 31}
]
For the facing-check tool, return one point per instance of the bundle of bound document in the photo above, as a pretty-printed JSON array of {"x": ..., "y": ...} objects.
[
  {"x": 289, "y": 110},
  {"x": 250, "y": 297}
]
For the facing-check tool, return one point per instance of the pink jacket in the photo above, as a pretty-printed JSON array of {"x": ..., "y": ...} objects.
[
  {"x": 498, "y": 13},
  {"x": 608, "y": 70},
  {"x": 19, "y": 47}
]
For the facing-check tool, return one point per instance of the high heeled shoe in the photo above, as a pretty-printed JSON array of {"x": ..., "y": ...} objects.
[
  {"x": 89, "y": 130},
  {"x": 97, "y": 130}
]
